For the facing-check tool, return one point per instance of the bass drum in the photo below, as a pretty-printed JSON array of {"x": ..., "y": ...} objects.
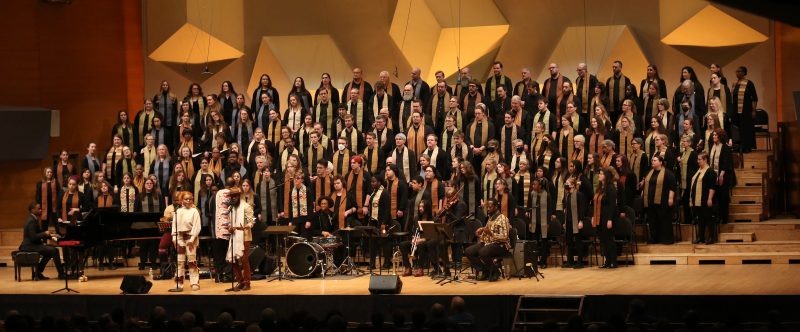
[{"x": 305, "y": 259}]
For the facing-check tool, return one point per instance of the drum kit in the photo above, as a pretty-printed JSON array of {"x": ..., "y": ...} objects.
[{"x": 307, "y": 259}]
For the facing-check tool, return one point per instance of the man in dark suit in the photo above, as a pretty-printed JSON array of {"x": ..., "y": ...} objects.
[{"x": 33, "y": 241}]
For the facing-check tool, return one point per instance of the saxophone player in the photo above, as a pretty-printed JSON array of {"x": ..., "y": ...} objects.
[{"x": 493, "y": 243}]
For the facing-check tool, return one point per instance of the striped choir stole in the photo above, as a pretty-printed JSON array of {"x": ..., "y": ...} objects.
[
  {"x": 697, "y": 188},
  {"x": 374, "y": 204},
  {"x": 344, "y": 158},
  {"x": 357, "y": 111},
  {"x": 273, "y": 131},
  {"x": 303, "y": 138},
  {"x": 68, "y": 202},
  {"x": 393, "y": 188},
  {"x": 595, "y": 139},
  {"x": 378, "y": 105},
  {"x": 467, "y": 104},
  {"x": 514, "y": 135},
  {"x": 340, "y": 198},
  {"x": 558, "y": 183},
  {"x": 215, "y": 166},
  {"x": 62, "y": 171},
  {"x": 127, "y": 199},
  {"x": 288, "y": 180},
  {"x": 323, "y": 186},
  {"x": 546, "y": 157},
  {"x": 625, "y": 142},
  {"x": 539, "y": 206},
  {"x": 649, "y": 143},
  {"x": 636, "y": 162},
  {"x": 299, "y": 202},
  {"x": 416, "y": 139},
  {"x": 327, "y": 120},
  {"x": 606, "y": 159},
  {"x": 148, "y": 155},
  {"x": 576, "y": 120},
  {"x": 138, "y": 182},
  {"x": 537, "y": 145},
  {"x": 433, "y": 155},
  {"x": 433, "y": 186},
  {"x": 464, "y": 152},
  {"x": 723, "y": 98},
  {"x": 356, "y": 182},
  {"x": 685, "y": 166},
  {"x": 659, "y": 187},
  {"x": 741, "y": 89},
  {"x": 151, "y": 202},
  {"x": 405, "y": 163},
  {"x": 285, "y": 157},
  {"x": 112, "y": 157},
  {"x": 105, "y": 200},
  {"x": 559, "y": 91},
  {"x": 598, "y": 198},
  {"x": 145, "y": 123},
  {"x": 383, "y": 137},
  {"x": 188, "y": 167},
  {"x": 492, "y": 84},
  {"x": 488, "y": 185},
  {"x": 524, "y": 179},
  {"x": 484, "y": 132},
  {"x": 459, "y": 116},
  {"x": 313, "y": 154},
  {"x": 48, "y": 205},
  {"x": 572, "y": 198},
  {"x": 542, "y": 117},
  {"x": 351, "y": 137},
  {"x": 372, "y": 158},
  {"x": 613, "y": 91},
  {"x": 568, "y": 139},
  {"x": 584, "y": 81},
  {"x": 435, "y": 105},
  {"x": 294, "y": 118},
  {"x": 577, "y": 154}
]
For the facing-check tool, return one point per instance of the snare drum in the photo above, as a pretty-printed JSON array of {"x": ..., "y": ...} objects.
[
  {"x": 328, "y": 242},
  {"x": 292, "y": 240}
]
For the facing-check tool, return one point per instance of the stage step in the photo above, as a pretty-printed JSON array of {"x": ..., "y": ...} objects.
[
  {"x": 719, "y": 258},
  {"x": 533, "y": 309},
  {"x": 5, "y": 254},
  {"x": 747, "y": 199},
  {"x": 679, "y": 247},
  {"x": 749, "y": 180},
  {"x": 745, "y": 247},
  {"x": 769, "y": 230},
  {"x": 748, "y": 190},
  {"x": 758, "y": 155},
  {"x": 746, "y": 208},
  {"x": 11, "y": 236},
  {"x": 762, "y": 164},
  {"x": 744, "y": 217},
  {"x": 736, "y": 237},
  {"x": 761, "y": 143}
]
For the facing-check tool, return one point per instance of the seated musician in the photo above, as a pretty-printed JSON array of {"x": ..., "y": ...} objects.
[
  {"x": 493, "y": 243},
  {"x": 325, "y": 225},
  {"x": 34, "y": 240},
  {"x": 419, "y": 209},
  {"x": 452, "y": 212}
]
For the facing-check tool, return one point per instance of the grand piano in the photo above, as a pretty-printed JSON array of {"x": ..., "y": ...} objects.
[{"x": 102, "y": 225}]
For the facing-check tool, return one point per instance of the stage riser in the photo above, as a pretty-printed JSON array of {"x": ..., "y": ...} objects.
[
  {"x": 726, "y": 259},
  {"x": 747, "y": 199}
]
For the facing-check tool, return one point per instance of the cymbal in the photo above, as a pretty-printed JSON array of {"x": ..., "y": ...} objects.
[{"x": 347, "y": 229}]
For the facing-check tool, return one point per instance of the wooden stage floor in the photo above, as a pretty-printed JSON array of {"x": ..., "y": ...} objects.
[{"x": 767, "y": 279}]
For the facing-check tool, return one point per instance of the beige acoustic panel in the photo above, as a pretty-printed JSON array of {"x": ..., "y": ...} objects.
[
  {"x": 598, "y": 47},
  {"x": 415, "y": 31},
  {"x": 470, "y": 12},
  {"x": 308, "y": 56},
  {"x": 428, "y": 33},
  {"x": 712, "y": 27},
  {"x": 192, "y": 45},
  {"x": 223, "y": 19},
  {"x": 481, "y": 41}
]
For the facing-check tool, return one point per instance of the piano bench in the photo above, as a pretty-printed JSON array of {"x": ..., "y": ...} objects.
[{"x": 26, "y": 259}]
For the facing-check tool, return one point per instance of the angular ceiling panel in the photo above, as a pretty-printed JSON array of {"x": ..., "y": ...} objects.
[
  {"x": 712, "y": 27},
  {"x": 192, "y": 45}
]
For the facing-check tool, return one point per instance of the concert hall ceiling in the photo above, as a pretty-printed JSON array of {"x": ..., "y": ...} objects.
[{"x": 238, "y": 40}]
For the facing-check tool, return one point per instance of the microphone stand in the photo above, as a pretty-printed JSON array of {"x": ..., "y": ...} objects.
[{"x": 230, "y": 247}]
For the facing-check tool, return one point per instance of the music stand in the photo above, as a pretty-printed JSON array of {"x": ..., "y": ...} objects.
[
  {"x": 66, "y": 281},
  {"x": 279, "y": 231},
  {"x": 373, "y": 233}
]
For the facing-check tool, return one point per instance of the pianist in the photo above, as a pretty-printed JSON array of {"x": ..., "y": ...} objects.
[{"x": 34, "y": 240}]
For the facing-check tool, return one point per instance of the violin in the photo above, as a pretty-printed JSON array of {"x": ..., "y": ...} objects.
[{"x": 449, "y": 201}]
